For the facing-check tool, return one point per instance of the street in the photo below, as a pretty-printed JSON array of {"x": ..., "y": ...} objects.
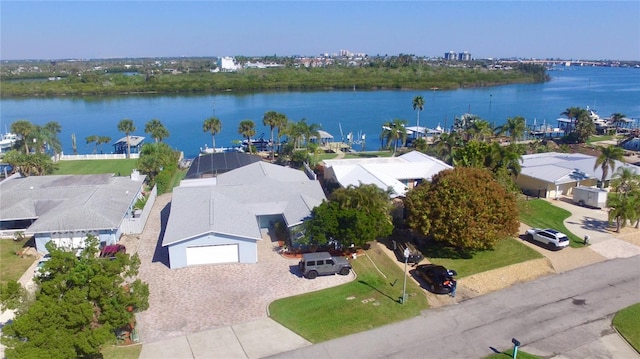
[{"x": 563, "y": 313}]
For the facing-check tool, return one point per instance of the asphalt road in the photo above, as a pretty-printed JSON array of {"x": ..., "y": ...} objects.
[{"x": 556, "y": 314}]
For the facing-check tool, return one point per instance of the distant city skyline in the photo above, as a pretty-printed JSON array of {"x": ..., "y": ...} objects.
[{"x": 578, "y": 30}]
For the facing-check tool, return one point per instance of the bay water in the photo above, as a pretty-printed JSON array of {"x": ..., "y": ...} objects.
[{"x": 362, "y": 113}]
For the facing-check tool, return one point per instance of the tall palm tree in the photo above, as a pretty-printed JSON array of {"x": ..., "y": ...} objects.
[
  {"x": 394, "y": 131},
  {"x": 281, "y": 125},
  {"x": 624, "y": 181},
  {"x": 102, "y": 140},
  {"x": 273, "y": 120},
  {"x": 127, "y": 127},
  {"x": 607, "y": 159},
  {"x": 247, "y": 129},
  {"x": 515, "y": 127},
  {"x": 51, "y": 130},
  {"x": 418, "y": 105},
  {"x": 156, "y": 129},
  {"x": 617, "y": 118},
  {"x": 213, "y": 126},
  {"x": 479, "y": 130},
  {"x": 23, "y": 128},
  {"x": 572, "y": 113},
  {"x": 92, "y": 139}
]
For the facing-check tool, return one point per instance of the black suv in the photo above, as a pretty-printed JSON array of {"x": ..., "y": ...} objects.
[{"x": 439, "y": 279}]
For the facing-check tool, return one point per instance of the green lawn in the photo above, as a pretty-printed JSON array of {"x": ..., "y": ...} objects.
[
  {"x": 12, "y": 266},
  {"x": 542, "y": 214},
  {"x": 507, "y": 252},
  {"x": 128, "y": 352},
  {"x": 372, "y": 300},
  {"x": 84, "y": 167},
  {"x": 509, "y": 354},
  {"x": 627, "y": 323}
]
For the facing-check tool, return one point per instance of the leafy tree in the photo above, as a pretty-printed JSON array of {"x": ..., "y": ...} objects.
[
  {"x": 394, "y": 131},
  {"x": 127, "y": 127},
  {"x": 79, "y": 304},
  {"x": 625, "y": 181},
  {"x": 479, "y": 130},
  {"x": 623, "y": 209},
  {"x": 584, "y": 127},
  {"x": 352, "y": 215},
  {"x": 23, "y": 128},
  {"x": 247, "y": 129},
  {"x": 154, "y": 157},
  {"x": 156, "y": 129},
  {"x": 446, "y": 146},
  {"x": 607, "y": 159},
  {"x": 464, "y": 207},
  {"x": 418, "y": 106},
  {"x": 213, "y": 126}
]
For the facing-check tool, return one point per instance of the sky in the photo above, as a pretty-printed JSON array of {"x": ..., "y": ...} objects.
[{"x": 578, "y": 30}]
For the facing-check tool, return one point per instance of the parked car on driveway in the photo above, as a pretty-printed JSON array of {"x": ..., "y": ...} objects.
[
  {"x": 439, "y": 279},
  {"x": 549, "y": 237},
  {"x": 322, "y": 263}
]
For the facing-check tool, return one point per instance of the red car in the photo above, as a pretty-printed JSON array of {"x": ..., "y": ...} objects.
[{"x": 112, "y": 250}]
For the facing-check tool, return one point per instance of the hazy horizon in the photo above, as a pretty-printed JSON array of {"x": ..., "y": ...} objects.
[{"x": 577, "y": 30}]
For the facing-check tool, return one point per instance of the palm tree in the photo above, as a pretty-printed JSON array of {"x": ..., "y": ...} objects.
[
  {"x": 102, "y": 140},
  {"x": 156, "y": 129},
  {"x": 247, "y": 129},
  {"x": 479, "y": 130},
  {"x": 418, "y": 105},
  {"x": 272, "y": 119},
  {"x": 213, "y": 126},
  {"x": 622, "y": 209},
  {"x": 624, "y": 181},
  {"x": 617, "y": 118},
  {"x": 92, "y": 139},
  {"x": 127, "y": 127},
  {"x": 607, "y": 159},
  {"x": 394, "y": 131},
  {"x": 515, "y": 127},
  {"x": 573, "y": 113},
  {"x": 51, "y": 130},
  {"x": 446, "y": 146},
  {"x": 281, "y": 125},
  {"x": 23, "y": 128}
]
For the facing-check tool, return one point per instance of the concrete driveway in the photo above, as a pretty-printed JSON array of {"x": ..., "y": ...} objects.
[{"x": 195, "y": 299}]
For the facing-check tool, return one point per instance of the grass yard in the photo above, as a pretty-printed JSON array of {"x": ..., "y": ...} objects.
[
  {"x": 509, "y": 354},
  {"x": 507, "y": 252},
  {"x": 372, "y": 300},
  {"x": 85, "y": 167},
  {"x": 542, "y": 214},
  {"x": 12, "y": 266},
  {"x": 128, "y": 352},
  {"x": 626, "y": 322}
]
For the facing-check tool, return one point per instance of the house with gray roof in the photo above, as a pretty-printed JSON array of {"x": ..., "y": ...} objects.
[
  {"x": 66, "y": 208},
  {"x": 221, "y": 219},
  {"x": 552, "y": 174},
  {"x": 399, "y": 173}
]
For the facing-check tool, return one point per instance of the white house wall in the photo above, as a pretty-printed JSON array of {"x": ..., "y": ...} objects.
[
  {"x": 247, "y": 248},
  {"x": 72, "y": 241}
]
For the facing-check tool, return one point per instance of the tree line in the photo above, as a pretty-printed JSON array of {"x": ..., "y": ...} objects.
[{"x": 416, "y": 76}]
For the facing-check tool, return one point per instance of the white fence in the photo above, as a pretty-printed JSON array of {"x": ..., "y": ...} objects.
[
  {"x": 101, "y": 156},
  {"x": 136, "y": 225}
]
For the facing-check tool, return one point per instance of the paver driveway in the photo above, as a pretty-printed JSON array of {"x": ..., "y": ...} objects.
[{"x": 189, "y": 300}]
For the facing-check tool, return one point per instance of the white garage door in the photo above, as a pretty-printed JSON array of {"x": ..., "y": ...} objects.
[{"x": 227, "y": 253}]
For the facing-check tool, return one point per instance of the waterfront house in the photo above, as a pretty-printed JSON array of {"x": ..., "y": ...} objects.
[
  {"x": 399, "y": 174},
  {"x": 221, "y": 219},
  {"x": 66, "y": 208},
  {"x": 552, "y": 174}
]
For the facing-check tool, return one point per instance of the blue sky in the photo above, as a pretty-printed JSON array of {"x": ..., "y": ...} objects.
[{"x": 111, "y": 29}]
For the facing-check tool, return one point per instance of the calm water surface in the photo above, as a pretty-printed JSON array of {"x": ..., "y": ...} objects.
[{"x": 607, "y": 90}]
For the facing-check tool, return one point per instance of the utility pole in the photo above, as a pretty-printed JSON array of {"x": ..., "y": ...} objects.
[{"x": 404, "y": 287}]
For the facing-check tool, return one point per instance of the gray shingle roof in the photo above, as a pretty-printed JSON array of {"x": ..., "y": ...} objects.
[
  {"x": 229, "y": 205},
  {"x": 69, "y": 202}
]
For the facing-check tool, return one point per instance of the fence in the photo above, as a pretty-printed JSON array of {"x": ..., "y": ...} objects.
[
  {"x": 136, "y": 225},
  {"x": 101, "y": 156}
]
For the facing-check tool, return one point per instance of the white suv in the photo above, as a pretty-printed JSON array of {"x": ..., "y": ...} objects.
[{"x": 550, "y": 237}]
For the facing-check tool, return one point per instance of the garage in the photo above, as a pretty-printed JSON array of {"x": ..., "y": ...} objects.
[{"x": 225, "y": 253}]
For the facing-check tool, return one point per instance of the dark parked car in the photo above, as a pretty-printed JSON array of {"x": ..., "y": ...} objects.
[
  {"x": 439, "y": 279},
  {"x": 112, "y": 250}
]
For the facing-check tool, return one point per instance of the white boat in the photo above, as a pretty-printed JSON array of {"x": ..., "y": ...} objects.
[{"x": 7, "y": 141}]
